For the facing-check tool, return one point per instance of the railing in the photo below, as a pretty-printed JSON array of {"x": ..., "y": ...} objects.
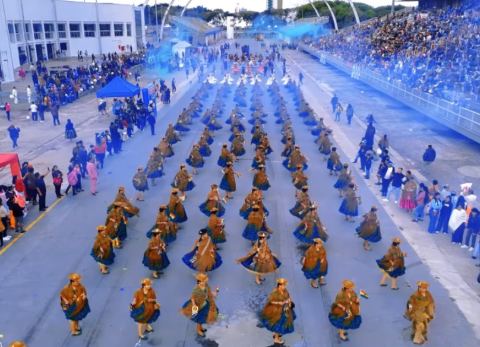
[{"x": 461, "y": 119}]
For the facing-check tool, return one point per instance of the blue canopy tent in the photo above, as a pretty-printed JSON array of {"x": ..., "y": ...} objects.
[{"x": 118, "y": 88}]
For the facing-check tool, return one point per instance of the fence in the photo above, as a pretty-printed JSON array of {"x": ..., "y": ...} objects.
[{"x": 458, "y": 118}]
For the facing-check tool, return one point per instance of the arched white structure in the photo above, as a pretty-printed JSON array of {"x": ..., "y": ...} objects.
[
  {"x": 185, "y": 7},
  {"x": 335, "y": 25},
  {"x": 164, "y": 18},
  {"x": 357, "y": 19}
]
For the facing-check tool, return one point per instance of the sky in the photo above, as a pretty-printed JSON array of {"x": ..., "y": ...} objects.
[{"x": 254, "y": 5}]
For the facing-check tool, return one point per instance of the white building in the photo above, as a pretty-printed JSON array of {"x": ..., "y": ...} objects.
[{"x": 39, "y": 29}]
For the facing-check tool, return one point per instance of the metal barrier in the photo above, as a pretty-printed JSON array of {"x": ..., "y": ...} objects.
[{"x": 456, "y": 117}]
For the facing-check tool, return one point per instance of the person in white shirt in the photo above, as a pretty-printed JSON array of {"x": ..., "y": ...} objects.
[
  {"x": 34, "y": 111},
  {"x": 457, "y": 223},
  {"x": 29, "y": 94},
  {"x": 14, "y": 95}
]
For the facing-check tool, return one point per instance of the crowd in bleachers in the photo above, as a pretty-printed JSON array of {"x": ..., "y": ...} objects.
[{"x": 434, "y": 52}]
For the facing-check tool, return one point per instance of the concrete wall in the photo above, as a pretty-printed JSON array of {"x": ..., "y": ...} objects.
[{"x": 65, "y": 12}]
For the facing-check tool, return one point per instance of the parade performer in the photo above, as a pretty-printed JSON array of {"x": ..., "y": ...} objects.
[
  {"x": 228, "y": 183},
  {"x": 333, "y": 163},
  {"x": 175, "y": 210},
  {"x": 259, "y": 158},
  {"x": 203, "y": 257},
  {"x": 255, "y": 197},
  {"x": 260, "y": 260},
  {"x": 345, "y": 311},
  {"x": 296, "y": 158},
  {"x": 154, "y": 168},
  {"x": 183, "y": 181},
  {"x": 369, "y": 229},
  {"x": 213, "y": 200},
  {"x": 278, "y": 314},
  {"x": 225, "y": 156},
  {"x": 165, "y": 148},
  {"x": 315, "y": 264},
  {"x": 201, "y": 307},
  {"x": 128, "y": 208},
  {"x": 303, "y": 203},
  {"x": 116, "y": 225},
  {"x": 256, "y": 222},
  {"x": 144, "y": 308},
  {"x": 311, "y": 227},
  {"x": 420, "y": 311},
  {"x": 299, "y": 179},
  {"x": 74, "y": 302},
  {"x": 140, "y": 183},
  {"x": 171, "y": 135},
  {"x": 344, "y": 179},
  {"x": 204, "y": 148},
  {"x": 195, "y": 159},
  {"x": 102, "y": 250},
  {"x": 168, "y": 229},
  {"x": 324, "y": 144},
  {"x": 392, "y": 264},
  {"x": 237, "y": 147},
  {"x": 216, "y": 227},
  {"x": 155, "y": 256},
  {"x": 260, "y": 179},
  {"x": 349, "y": 206},
  {"x": 208, "y": 137}
]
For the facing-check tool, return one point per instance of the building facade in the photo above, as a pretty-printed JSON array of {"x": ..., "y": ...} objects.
[{"x": 32, "y": 30}]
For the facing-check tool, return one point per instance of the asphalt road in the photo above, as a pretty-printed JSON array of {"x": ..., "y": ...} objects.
[{"x": 35, "y": 269}]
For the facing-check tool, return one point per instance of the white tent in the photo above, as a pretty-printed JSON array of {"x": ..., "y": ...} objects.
[{"x": 180, "y": 48}]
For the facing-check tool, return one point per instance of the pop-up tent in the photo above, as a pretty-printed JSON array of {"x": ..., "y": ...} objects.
[
  {"x": 11, "y": 159},
  {"x": 118, "y": 88}
]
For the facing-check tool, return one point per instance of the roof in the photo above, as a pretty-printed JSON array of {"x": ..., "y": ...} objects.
[
  {"x": 117, "y": 88},
  {"x": 312, "y": 20},
  {"x": 181, "y": 44},
  {"x": 194, "y": 24}
]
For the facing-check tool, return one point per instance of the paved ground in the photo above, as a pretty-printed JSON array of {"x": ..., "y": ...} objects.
[{"x": 36, "y": 267}]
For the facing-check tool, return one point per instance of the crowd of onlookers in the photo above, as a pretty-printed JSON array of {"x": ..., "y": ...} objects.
[
  {"x": 432, "y": 51},
  {"x": 448, "y": 211}
]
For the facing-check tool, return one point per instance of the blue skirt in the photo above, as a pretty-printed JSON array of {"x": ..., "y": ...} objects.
[
  {"x": 181, "y": 128},
  {"x": 80, "y": 315},
  {"x": 315, "y": 272},
  {"x": 295, "y": 211},
  {"x": 177, "y": 219},
  {"x": 195, "y": 165},
  {"x": 239, "y": 152},
  {"x": 164, "y": 262},
  {"x": 315, "y": 132},
  {"x": 339, "y": 322},
  {"x": 374, "y": 237},
  {"x": 280, "y": 327},
  {"x": 188, "y": 260},
  {"x": 137, "y": 314},
  {"x": 249, "y": 263},
  {"x": 222, "y": 161},
  {"x": 107, "y": 262},
  {"x": 205, "y": 151},
  {"x": 330, "y": 166},
  {"x": 169, "y": 238},
  {"x": 245, "y": 213},
  {"x": 300, "y": 234},
  {"x": 340, "y": 184},
  {"x": 251, "y": 232},
  {"x": 346, "y": 211},
  {"x": 122, "y": 231},
  {"x": 394, "y": 273},
  {"x": 206, "y": 212},
  {"x": 215, "y": 239},
  {"x": 224, "y": 185},
  {"x": 214, "y": 126},
  {"x": 263, "y": 186},
  {"x": 210, "y": 140},
  {"x": 202, "y": 315}
]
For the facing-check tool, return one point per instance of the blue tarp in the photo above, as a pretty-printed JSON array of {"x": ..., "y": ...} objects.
[{"x": 118, "y": 88}]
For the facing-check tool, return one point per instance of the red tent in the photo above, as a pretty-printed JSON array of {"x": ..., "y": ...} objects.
[{"x": 12, "y": 160}]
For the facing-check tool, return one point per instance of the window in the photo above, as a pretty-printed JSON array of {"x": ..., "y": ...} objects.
[
  {"x": 89, "y": 30},
  {"x": 105, "y": 30},
  {"x": 49, "y": 30},
  {"x": 18, "y": 31},
  {"x": 37, "y": 31},
  {"x": 11, "y": 32},
  {"x": 74, "y": 30},
  {"x": 118, "y": 29},
  {"x": 62, "y": 31},
  {"x": 129, "y": 29},
  {"x": 28, "y": 30}
]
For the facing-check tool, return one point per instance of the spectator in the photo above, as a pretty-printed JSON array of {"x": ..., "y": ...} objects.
[
  {"x": 14, "y": 95},
  {"x": 434, "y": 207},
  {"x": 57, "y": 177},
  {"x": 14, "y": 134},
  {"x": 16, "y": 206},
  {"x": 151, "y": 121},
  {"x": 429, "y": 155},
  {"x": 41, "y": 190},
  {"x": 92, "y": 175},
  {"x": 70, "y": 132},
  {"x": 8, "y": 110},
  {"x": 34, "y": 111},
  {"x": 3, "y": 222},
  {"x": 457, "y": 223},
  {"x": 421, "y": 201},
  {"x": 349, "y": 113},
  {"x": 473, "y": 229}
]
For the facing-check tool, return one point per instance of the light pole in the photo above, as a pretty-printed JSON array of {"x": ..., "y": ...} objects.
[{"x": 165, "y": 18}]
